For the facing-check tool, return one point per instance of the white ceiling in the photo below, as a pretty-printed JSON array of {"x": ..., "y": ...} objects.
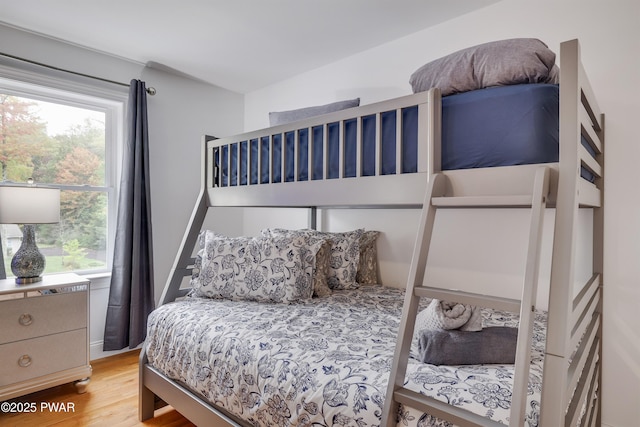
[{"x": 241, "y": 45}]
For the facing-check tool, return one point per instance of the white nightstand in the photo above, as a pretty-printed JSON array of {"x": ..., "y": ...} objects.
[{"x": 44, "y": 334}]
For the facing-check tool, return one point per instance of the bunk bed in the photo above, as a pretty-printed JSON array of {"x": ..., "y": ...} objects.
[{"x": 349, "y": 358}]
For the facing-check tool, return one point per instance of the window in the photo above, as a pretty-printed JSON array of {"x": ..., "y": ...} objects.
[{"x": 71, "y": 141}]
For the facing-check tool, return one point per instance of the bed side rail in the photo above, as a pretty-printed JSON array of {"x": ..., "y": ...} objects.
[
  {"x": 574, "y": 332},
  {"x": 309, "y": 163}
]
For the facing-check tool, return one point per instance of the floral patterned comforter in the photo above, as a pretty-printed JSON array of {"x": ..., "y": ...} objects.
[{"x": 323, "y": 362}]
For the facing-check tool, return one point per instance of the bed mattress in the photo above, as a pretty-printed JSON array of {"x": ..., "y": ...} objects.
[
  {"x": 500, "y": 126},
  {"x": 322, "y": 362}
]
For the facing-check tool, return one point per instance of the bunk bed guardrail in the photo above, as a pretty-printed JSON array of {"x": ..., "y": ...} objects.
[{"x": 294, "y": 154}]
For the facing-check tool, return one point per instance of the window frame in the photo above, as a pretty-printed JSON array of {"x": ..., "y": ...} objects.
[{"x": 35, "y": 82}]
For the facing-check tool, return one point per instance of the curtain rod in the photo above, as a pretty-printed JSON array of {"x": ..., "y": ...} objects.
[{"x": 150, "y": 90}]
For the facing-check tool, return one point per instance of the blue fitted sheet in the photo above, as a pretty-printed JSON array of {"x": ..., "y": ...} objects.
[{"x": 498, "y": 126}]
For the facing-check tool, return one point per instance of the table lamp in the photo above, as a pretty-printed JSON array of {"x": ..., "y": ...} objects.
[{"x": 28, "y": 205}]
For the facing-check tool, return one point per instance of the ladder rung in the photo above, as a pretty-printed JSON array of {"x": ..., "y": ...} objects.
[
  {"x": 483, "y": 201},
  {"x": 462, "y": 297},
  {"x": 441, "y": 410}
]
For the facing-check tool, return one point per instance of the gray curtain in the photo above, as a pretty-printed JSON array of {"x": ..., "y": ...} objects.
[
  {"x": 3, "y": 273},
  {"x": 131, "y": 294}
]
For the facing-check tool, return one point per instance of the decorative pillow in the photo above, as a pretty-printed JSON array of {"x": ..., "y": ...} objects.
[
  {"x": 499, "y": 63},
  {"x": 283, "y": 117},
  {"x": 345, "y": 254},
  {"x": 368, "y": 265},
  {"x": 277, "y": 269},
  {"x": 321, "y": 265}
]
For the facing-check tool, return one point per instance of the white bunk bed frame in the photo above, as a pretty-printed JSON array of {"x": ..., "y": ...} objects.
[{"x": 573, "y": 348}]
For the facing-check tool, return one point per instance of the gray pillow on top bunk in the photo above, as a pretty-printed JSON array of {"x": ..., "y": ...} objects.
[
  {"x": 499, "y": 63},
  {"x": 283, "y": 117}
]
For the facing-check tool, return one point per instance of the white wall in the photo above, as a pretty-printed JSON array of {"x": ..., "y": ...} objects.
[
  {"x": 179, "y": 114},
  {"x": 610, "y": 38}
]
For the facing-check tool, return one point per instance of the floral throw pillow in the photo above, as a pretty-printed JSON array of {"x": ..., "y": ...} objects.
[
  {"x": 277, "y": 269},
  {"x": 323, "y": 257},
  {"x": 345, "y": 254}
]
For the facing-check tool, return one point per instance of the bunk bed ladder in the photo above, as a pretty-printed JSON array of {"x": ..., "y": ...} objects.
[{"x": 436, "y": 198}]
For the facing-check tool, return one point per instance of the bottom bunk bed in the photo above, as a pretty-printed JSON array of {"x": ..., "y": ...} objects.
[
  {"x": 320, "y": 362},
  {"x": 347, "y": 356}
]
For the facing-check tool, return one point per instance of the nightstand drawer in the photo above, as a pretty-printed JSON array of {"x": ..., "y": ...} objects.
[
  {"x": 44, "y": 315},
  {"x": 24, "y": 360}
]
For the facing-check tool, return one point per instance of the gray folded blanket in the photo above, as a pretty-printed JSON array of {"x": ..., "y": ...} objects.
[{"x": 455, "y": 347}]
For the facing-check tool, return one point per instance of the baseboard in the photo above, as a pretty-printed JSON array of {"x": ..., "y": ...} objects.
[{"x": 96, "y": 352}]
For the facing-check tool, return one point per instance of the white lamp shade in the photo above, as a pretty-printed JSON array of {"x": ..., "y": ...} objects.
[{"x": 29, "y": 205}]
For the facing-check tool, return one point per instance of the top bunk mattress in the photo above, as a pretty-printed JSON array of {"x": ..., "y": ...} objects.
[
  {"x": 497, "y": 126},
  {"x": 500, "y": 126}
]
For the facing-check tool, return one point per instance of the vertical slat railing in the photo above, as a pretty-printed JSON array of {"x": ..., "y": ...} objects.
[
  {"x": 283, "y": 158},
  {"x": 358, "y": 146},
  {"x": 271, "y": 162},
  {"x": 427, "y": 136},
  {"x": 378, "y": 142},
  {"x": 399, "y": 147},
  {"x": 229, "y": 160},
  {"x": 238, "y": 161},
  {"x": 296, "y": 155},
  {"x": 341, "y": 149},
  {"x": 431, "y": 137},
  {"x": 325, "y": 151},
  {"x": 250, "y": 162},
  {"x": 259, "y": 165},
  {"x": 310, "y": 158}
]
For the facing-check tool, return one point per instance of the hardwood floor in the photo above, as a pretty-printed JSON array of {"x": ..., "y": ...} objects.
[{"x": 111, "y": 400}]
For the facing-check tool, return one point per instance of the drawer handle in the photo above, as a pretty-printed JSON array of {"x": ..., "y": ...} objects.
[
  {"x": 25, "y": 319},
  {"x": 24, "y": 361}
]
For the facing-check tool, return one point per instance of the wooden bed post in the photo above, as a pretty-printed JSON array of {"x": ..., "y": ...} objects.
[
  {"x": 554, "y": 393},
  {"x": 573, "y": 320},
  {"x": 598, "y": 258}
]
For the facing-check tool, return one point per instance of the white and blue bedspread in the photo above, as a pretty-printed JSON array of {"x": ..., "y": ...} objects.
[{"x": 324, "y": 362}]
